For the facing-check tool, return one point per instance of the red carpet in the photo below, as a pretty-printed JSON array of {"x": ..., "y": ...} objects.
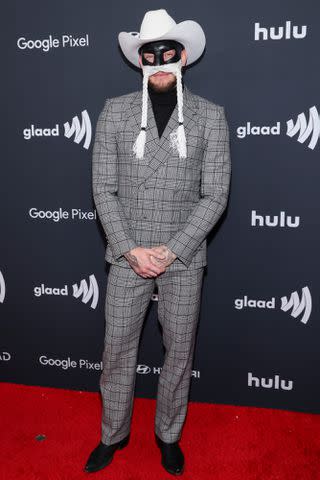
[{"x": 219, "y": 442}]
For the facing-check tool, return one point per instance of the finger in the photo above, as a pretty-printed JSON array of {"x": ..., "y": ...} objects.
[
  {"x": 154, "y": 251},
  {"x": 161, "y": 268},
  {"x": 154, "y": 271},
  {"x": 151, "y": 273},
  {"x": 148, "y": 272},
  {"x": 154, "y": 260},
  {"x": 154, "y": 274},
  {"x": 157, "y": 260},
  {"x": 155, "y": 264}
]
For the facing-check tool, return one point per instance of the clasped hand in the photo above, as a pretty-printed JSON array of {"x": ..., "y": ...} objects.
[{"x": 150, "y": 262}]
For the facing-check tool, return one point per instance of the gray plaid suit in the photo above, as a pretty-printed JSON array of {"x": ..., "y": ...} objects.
[{"x": 160, "y": 199}]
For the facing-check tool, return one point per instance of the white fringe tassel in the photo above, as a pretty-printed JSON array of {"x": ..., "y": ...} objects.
[
  {"x": 177, "y": 138},
  {"x": 138, "y": 146}
]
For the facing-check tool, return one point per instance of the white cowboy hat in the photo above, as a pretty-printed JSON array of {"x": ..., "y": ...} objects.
[{"x": 158, "y": 25}]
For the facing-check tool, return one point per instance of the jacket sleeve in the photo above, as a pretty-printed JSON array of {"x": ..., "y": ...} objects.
[
  {"x": 215, "y": 182},
  {"x": 105, "y": 185}
]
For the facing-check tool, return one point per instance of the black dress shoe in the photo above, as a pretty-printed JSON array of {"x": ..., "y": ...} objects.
[
  {"x": 102, "y": 455},
  {"x": 172, "y": 457}
]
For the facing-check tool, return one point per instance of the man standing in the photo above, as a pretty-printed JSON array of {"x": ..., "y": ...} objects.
[{"x": 161, "y": 174}]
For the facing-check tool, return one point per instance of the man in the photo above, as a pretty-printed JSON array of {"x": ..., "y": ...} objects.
[{"x": 161, "y": 174}]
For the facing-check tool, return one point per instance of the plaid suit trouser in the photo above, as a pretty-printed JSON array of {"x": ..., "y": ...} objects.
[{"x": 127, "y": 299}]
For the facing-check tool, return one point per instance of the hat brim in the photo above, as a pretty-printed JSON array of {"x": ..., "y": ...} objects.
[{"x": 189, "y": 33}]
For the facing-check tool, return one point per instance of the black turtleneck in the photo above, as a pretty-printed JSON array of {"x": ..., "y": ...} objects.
[{"x": 163, "y": 104}]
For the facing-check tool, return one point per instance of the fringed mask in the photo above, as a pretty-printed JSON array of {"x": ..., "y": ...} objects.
[{"x": 173, "y": 65}]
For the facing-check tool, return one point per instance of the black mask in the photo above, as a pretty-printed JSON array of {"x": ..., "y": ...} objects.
[{"x": 158, "y": 48}]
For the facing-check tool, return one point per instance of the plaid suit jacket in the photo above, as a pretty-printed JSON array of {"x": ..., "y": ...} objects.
[{"x": 160, "y": 199}]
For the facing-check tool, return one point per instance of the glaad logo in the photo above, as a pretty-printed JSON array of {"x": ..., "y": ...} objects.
[
  {"x": 302, "y": 127},
  {"x": 145, "y": 369},
  {"x": 88, "y": 293},
  {"x": 298, "y": 306},
  {"x": 306, "y": 129},
  {"x": 2, "y": 288},
  {"x": 5, "y": 356},
  {"x": 243, "y": 131},
  {"x": 275, "y": 221},
  {"x": 274, "y": 383},
  {"x": 278, "y": 33},
  {"x": 244, "y": 302},
  {"x": 81, "y": 131},
  {"x": 47, "y": 44}
]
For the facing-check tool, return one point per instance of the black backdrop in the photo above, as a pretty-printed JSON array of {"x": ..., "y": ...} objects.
[{"x": 258, "y": 335}]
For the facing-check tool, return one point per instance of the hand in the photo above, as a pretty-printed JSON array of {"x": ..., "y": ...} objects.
[
  {"x": 139, "y": 259},
  {"x": 162, "y": 255}
]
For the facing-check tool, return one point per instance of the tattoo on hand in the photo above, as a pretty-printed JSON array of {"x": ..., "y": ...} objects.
[
  {"x": 169, "y": 256},
  {"x": 132, "y": 259}
]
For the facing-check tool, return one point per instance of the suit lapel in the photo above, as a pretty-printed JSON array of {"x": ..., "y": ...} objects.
[{"x": 157, "y": 151}]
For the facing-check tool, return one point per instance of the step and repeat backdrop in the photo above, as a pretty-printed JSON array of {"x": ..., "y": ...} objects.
[{"x": 258, "y": 339}]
